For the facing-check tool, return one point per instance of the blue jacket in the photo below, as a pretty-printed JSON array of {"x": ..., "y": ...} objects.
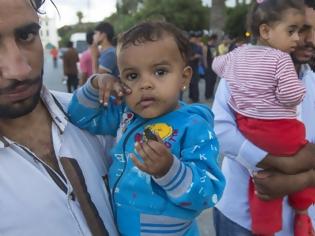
[{"x": 144, "y": 205}]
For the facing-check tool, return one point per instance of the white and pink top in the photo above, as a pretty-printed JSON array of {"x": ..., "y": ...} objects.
[{"x": 262, "y": 81}]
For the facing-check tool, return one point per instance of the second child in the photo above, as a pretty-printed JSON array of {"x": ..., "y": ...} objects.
[{"x": 265, "y": 91}]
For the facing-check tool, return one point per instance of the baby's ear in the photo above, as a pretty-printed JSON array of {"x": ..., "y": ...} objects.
[
  {"x": 187, "y": 74},
  {"x": 264, "y": 31}
]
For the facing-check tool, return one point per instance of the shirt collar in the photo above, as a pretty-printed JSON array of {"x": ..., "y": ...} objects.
[
  {"x": 305, "y": 68},
  {"x": 54, "y": 108}
]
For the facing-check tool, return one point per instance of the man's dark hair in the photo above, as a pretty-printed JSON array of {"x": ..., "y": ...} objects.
[
  {"x": 89, "y": 37},
  {"x": 69, "y": 44},
  {"x": 213, "y": 37},
  {"x": 36, "y": 4},
  {"x": 310, "y": 3},
  {"x": 270, "y": 11},
  {"x": 107, "y": 28},
  {"x": 151, "y": 31}
]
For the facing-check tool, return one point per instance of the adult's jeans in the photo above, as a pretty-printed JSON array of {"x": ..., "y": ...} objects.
[
  {"x": 225, "y": 227},
  {"x": 72, "y": 83}
]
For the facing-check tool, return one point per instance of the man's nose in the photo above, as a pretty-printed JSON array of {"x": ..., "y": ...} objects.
[
  {"x": 296, "y": 37},
  {"x": 13, "y": 61}
]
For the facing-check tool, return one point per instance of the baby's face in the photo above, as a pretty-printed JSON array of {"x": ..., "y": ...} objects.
[
  {"x": 284, "y": 35},
  {"x": 156, "y": 73}
]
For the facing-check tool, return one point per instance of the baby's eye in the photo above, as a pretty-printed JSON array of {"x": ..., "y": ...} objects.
[
  {"x": 160, "y": 72},
  {"x": 132, "y": 76}
]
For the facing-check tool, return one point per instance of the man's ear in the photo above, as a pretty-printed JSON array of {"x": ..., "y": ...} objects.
[
  {"x": 187, "y": 74},
  {"x": 264, "y": 31}
]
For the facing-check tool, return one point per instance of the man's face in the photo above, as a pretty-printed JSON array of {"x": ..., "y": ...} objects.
[
  {"x": 98, "y": 37},
  {"x": 306, "y": 45},
  {"x": 21, "y": 59}
]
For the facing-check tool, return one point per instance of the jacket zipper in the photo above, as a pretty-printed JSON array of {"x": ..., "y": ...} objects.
[{"x": 124, "y": 167}]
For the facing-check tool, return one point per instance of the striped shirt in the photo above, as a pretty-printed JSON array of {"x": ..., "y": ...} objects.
[{"x": 262, "y": 81}]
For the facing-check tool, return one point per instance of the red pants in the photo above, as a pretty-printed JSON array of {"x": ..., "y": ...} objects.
[{"x": 280, "y": 138}]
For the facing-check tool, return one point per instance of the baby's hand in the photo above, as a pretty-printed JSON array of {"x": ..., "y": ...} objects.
[
  {"x": 109, "y": 85},
  {"x": 157, "y": 159}
]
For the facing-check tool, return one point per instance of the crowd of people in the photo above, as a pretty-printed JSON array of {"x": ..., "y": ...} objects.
[{"x": 122, "y": 154}]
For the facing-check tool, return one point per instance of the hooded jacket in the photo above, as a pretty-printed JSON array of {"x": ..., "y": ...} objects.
[{"x": 144, "y": 205}]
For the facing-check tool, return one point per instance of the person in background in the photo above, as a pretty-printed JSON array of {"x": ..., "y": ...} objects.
[
  {"x": 54, "y": 56},
  {"x": 210, "y": 76},
  {"x": 70, "y": 69},
  {"x": 163, "y": 175},
  {"x": 103, "y": 50},
  {"x": 242, "y": 157},
  {"x": 86, "y": 65},
  {"x": 194, "y": 61},
  {"x": 223, "y": 47},
  {"x": 237, "y": 42},
  {"x": 51, "y": 172}
]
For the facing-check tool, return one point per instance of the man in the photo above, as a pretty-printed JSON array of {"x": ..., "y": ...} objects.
[
  {"x": 54, "y": 56},
  {"x": 104, "y": 61},
  {"x": 50, "y": 171},
  {"x": 86, "y": 65},
  {"x": 210, "y": 76},
  {"x": 231, "y": 215},
  {"x": 70, "y": 70},
  {"x": 194, "y": 60}
]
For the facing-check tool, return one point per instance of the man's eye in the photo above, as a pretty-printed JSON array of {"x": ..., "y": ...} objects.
[
  {"x": 27, "y": 36},
  {"x": 132, "y": 76}
]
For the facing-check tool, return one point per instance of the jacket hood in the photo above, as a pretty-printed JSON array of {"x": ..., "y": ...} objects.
[{"x": 199, "y": 109}]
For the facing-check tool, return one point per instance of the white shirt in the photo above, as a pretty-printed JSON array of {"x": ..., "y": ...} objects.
[
  {"x": 31, "y": 203},
  {"x": 242, "y": 156}
]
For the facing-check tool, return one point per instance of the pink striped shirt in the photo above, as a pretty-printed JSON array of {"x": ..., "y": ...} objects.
[{"x": 262, "y": 81}]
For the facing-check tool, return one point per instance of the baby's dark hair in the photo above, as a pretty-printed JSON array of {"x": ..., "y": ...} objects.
[
  {"x": 151, "y": 31},
  {"x": 310, "y": 3},
  {"x": 270, "y": 11}
]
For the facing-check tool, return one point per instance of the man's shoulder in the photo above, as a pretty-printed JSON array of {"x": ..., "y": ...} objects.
[{"x": 63, "y": 98}]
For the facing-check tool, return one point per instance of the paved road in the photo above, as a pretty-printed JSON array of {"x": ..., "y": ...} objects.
[{"x": 53, "y": 80}]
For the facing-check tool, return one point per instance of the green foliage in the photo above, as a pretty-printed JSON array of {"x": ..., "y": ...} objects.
[
  {"x": 121, "y": 22},
  {"x": 127, "y": 7},
  {"x": 235, "y": 24},
  {"x": 186, "y": 14},
  {"x": 66, "y": 31},
  {"x": 80, "y": 16}
]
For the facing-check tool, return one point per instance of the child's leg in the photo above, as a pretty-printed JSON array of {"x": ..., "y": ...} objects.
[
  {"x": 266, "y": 215},
  {"x": 301, "y": 201},
  {"x": 278, "y": 137}
]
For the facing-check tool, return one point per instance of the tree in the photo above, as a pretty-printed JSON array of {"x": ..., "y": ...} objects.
[
  {"x": 236, "y": 21},
  {"x": 218, "y": 15},
  {"x": 127, "y": 7},
  {"x": 186, "y": 14},
  {"x": 80, "y": 16}
]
